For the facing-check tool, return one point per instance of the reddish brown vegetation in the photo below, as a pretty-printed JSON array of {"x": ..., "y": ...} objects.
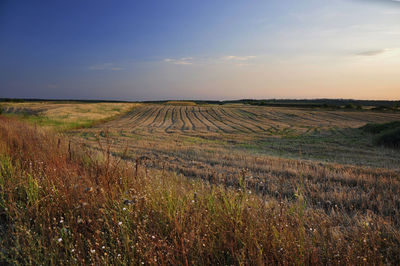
[{"x": 69, "y": 205}]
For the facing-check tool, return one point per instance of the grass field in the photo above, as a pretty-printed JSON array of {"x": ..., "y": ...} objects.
[
  {"x": 244, "y": 119},
  {"x": 207, "y": 184},
  {"x": 331, "y": 136},
  {"x": 66, "y": 115}
]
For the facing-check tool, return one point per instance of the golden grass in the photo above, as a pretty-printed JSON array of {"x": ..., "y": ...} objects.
[
  {"x": 181, "y": 103},
  {"x": 64, "y": 204},
  {"x": 195, "y": 138},
  {"x": 63, "y": 116}
]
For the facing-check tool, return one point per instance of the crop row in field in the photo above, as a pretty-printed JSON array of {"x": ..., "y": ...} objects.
[
  {"x": 226, "y": 144},
  {"x": 242, "y": 119}
]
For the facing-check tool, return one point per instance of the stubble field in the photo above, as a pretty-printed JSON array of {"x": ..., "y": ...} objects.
[
  {"x": 323, "y": 192},
  {"x": 275, "y": 151}
]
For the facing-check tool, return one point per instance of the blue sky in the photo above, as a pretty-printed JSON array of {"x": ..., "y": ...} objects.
[{"x": 152, "y": 50}]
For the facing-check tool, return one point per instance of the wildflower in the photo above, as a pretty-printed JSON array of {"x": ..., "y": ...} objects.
[
  {"x": 129, "y": 202},
  {"x": 92, "y": 251},
  {"x": 73, "y": 250},
  {"x": 119, "y": 223},
  {"x": 124, "y": 209},
  {"x": 103, "y": 247},
  {"x": 59, "y": 240},
  {"x": 153, "y": 237}
]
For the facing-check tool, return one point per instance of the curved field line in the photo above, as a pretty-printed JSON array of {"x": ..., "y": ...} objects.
[
  {"x": 188, "y": 118},
  {"x": 132, "y": 114},
  {"x": 249, "y": 120},
  {"x": 297, "y": 119},
  {"x": 251, "y": 115},
  {"x": 211, "y": 121},
  {"x": 173, "y": 113},
  {"x": 198, "y": 119},
  {"x": 182, "y": 119},
  {"x": 161, "y": 117},
  {"x": 156, "y": 117},
  {"x": 150, "y": 118},
  {"x": 179, "y": 123},
  {"x": 264, "y": 120},
  {"x": 165, "y": 117},
  {"x": 232, "y": 114},
  {"x": 310, "y": 117},
  {"x": 170, "y": 120},
  {"x": 135, "y": 113},
  {"x": 244, "y": 114},
  {"x": 219, "y": 117},
  {"x": 272, "y": 118},
  {"x": 236, "y": 120},
  {"x": 139, "y": 118},
  {"x": 146, "y": 116},
  {"x": 129, "y": 120}
]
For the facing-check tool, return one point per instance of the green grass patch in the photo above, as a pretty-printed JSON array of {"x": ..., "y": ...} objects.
[
  {"x": 59, "y": 125},
  {"x": 387, "y": 134}
]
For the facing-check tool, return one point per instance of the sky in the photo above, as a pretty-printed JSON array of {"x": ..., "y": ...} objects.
[{"x": 211, "y": 50}]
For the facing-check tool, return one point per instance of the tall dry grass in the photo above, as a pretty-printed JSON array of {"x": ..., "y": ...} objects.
[{"x": 63, "y": 204}]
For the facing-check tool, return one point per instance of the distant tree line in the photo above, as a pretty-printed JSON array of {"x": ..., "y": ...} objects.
[
  {"x": 21, "y": 100},
  {"x": 376, "y": 105}
]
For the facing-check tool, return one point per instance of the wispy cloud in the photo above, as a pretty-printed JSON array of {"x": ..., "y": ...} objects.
[
  {"x": 105, "y": 66},
  {"x": 242, "y": 65},
  {"x": 237, "y": 58},
  {"x": 372, "y": 52},
  {"x": 180, "y": 61}
]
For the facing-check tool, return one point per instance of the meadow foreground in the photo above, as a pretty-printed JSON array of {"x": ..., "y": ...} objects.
[{"x": 200, "y": 185}]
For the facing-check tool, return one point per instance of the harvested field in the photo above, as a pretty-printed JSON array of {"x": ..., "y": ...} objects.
[
  {"x": 314, "y": 164},
  {"x": 274, "y": 150},
  {"x": 182, "y": 134},
  {"x": 242, "y": 119}
]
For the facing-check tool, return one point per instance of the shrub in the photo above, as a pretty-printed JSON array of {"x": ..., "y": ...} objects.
[
  {"x": 389, "y": 138},
  {"x": 387, "y": 134},
  {"x": 379, "y": 128}
]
